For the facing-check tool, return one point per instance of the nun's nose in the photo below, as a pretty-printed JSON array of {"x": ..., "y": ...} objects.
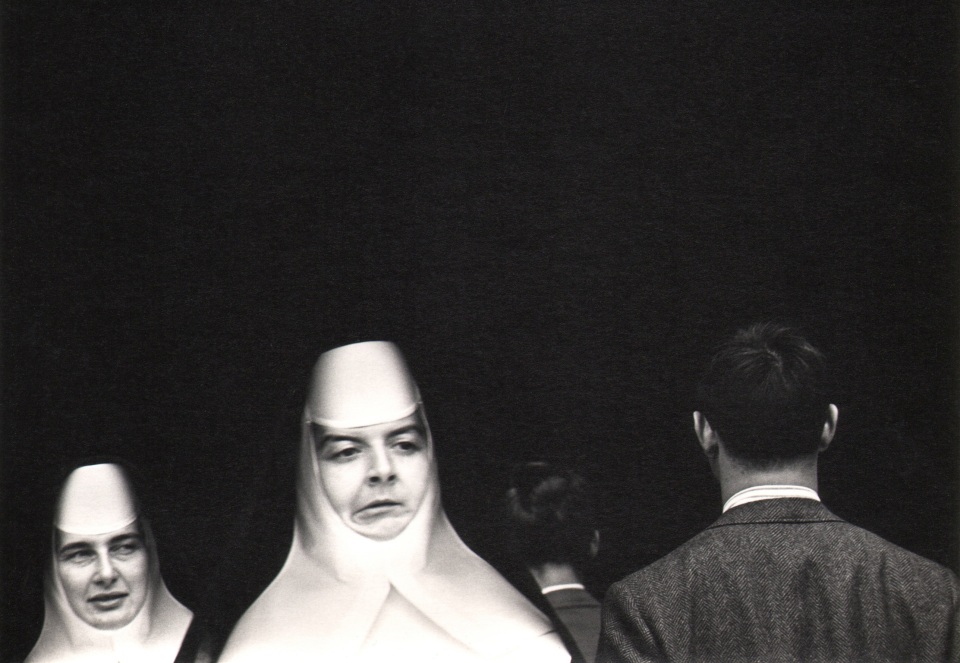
[
  {"x": 381, "y": 468},
  {"x": 106, "y": 571}
]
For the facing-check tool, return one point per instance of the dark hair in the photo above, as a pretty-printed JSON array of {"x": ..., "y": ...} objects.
[
  {"x": 765, "y": 394},
  {"x": 550, "y": 515}
]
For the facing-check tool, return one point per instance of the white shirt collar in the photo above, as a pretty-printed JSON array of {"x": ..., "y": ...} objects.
[
  {"x": 756, "y": 493},
  {"x": 557, "y": 588}
]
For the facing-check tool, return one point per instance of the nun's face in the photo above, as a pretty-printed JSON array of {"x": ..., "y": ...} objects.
[
  {"x": 376, "y": 477},
  {"x": 105, "y": 576}
]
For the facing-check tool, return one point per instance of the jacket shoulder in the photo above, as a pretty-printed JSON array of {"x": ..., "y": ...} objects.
[{"x": 721, "y": 547}]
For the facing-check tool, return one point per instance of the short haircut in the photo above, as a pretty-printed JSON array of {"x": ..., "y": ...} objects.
[
  {"x": 765, "y": 394},
  {"x": 550, "y": 515}
]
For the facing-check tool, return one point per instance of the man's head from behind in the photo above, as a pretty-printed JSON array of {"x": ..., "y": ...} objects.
[{"x": 764, "y": 394}]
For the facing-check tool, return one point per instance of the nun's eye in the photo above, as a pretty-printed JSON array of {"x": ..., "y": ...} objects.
[
  {"x": 341, "y": 454},
  {"x": 409, "y": 445},
  {"x": 77, "y": 555},
  {"x": 125, "y": 548}
]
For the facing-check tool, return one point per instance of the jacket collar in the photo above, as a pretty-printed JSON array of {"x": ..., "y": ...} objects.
[{"x": 785, "y": 510}]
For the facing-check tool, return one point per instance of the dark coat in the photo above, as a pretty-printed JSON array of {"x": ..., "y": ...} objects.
[
  {"x": 784, "y": 580},
  {"x": 580, "y": 614}
]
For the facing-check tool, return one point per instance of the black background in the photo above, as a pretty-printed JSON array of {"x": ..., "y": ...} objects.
[{"x": 555, "y": 209}]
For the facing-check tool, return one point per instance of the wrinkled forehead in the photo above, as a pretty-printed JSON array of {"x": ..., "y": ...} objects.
[
  {"x": 68, "y": 539},
  {"x": 414, "y": 423}
]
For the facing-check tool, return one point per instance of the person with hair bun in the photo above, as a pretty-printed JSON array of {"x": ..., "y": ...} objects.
[{"x": 552, "y": 529}]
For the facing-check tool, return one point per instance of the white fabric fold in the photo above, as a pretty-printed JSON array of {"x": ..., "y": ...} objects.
[
  {"x": 769, "y": 492},
  {"x": 154, "y": 635},
  {"x": 421, "y": 596}
]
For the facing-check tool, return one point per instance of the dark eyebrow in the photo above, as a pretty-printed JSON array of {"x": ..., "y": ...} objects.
[
  {"x": 122, "y": 538},
  {"x": 320, "y": 438},
  {"x": 326, "y": 438},
  {"x": 71, "y": 547},
  {"x": 338, "y": 438},
  {"x": 416, "y": 428}
]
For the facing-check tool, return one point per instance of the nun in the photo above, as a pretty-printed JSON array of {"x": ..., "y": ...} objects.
[
  {"x": 104, "y": 599},
  {"x": 376, "y": 572}
]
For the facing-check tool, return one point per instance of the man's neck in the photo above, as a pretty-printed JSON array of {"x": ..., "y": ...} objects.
[
  {"x": 735, "y": 475},
  {"x": 550, "y": 574}
]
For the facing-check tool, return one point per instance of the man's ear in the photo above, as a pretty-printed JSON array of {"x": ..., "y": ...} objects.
[
  {"x": 595, "y": 543},
  {"x": 705, "y": 435},
  {"x": 829, "y": 427}
]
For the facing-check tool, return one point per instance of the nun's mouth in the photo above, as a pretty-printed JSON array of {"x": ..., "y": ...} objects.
[
  {"x": 379, "y": 508},
  {"x": 108, "y": 600}
]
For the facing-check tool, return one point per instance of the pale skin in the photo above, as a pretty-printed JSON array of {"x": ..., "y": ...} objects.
[
  {"x": 104, "y": 576},
  {"x": 551, "y": 573},
  {"x": 735, "y": 476},
  {"x": 375, "y": 477}
]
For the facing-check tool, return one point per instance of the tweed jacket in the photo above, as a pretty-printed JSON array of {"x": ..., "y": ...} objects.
[
  {"x": 783, "y": 580},
  {"x": 580, "y": 613}
]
